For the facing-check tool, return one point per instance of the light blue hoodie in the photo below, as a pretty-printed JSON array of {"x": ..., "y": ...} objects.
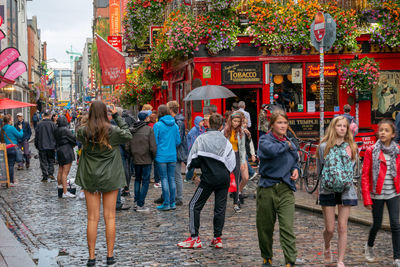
[
  {"x": 194, "y": 132},
  {"x": 167, "y": 136}
]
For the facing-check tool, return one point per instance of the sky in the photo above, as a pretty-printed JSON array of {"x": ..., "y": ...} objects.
[{"x": 62, "y": 23}]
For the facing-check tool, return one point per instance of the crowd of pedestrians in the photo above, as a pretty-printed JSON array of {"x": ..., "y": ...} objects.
[{"x": 114, "y": 146}]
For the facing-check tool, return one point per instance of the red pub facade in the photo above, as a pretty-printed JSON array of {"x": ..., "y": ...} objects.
[{"x": 291, "y": 77}]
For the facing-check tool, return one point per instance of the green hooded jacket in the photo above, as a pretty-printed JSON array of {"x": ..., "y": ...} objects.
[{"x": 100, "y": 169}]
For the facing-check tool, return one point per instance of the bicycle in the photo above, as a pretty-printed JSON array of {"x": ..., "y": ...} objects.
[{"x": 308, "y": 175}]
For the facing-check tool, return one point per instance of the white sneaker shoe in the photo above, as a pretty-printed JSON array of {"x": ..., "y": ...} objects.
[
  {"x": 157, "y": 185},
  {"x": 81, "y": 195},
  {"x": 68, "y": 195},
  {"x": 253, "y": 176},
  {"x": 370, "y": 255},
  {"x": 396, "y": 263},
  {"x": 142, "y": 209}
]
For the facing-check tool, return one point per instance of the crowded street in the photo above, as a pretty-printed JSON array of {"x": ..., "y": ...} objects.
[{"x": 39, "y": 219}]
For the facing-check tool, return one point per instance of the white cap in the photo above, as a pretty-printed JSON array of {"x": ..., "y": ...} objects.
[{"x": 20, "y": 114}]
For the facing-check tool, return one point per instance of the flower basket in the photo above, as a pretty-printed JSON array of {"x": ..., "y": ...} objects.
[{"x": 360, "y": 75}]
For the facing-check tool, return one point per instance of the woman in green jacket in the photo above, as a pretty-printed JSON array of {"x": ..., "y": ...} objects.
[{"x": 100, "y": 172}]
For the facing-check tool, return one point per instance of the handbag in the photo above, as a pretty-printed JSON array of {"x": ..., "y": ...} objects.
[
  {"x": 18, "y": 152},
  {"x": 232, "y": 185}
]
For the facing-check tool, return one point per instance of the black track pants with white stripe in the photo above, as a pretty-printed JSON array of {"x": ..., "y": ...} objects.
[{"x": 197, "y": 203}]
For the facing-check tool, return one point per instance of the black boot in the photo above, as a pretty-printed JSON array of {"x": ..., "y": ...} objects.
[
  {"x": 91, "y": 262},
  {"x": 111, "y": 261}
]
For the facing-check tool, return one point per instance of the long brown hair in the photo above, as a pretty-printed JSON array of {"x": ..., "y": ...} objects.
[
  {"x": 331, "y": 136},
  {"x": 98, "y": 125},
  {"x": 228, "y": 125}
]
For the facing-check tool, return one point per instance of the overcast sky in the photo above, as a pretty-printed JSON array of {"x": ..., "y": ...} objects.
[{"x": 62, "y": 23}]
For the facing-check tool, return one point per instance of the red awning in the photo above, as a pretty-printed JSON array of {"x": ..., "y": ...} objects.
[{"x": 6, "y": 103}]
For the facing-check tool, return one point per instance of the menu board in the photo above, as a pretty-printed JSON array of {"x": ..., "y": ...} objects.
[
  {"x": 307, "y": 128},
  {"x": 330, "y": 92},
  {"x": 4, "y": 176}
]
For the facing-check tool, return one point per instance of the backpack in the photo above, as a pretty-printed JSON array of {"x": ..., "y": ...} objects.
[
  {"x": 337, "y": 173},
  {"x": 353, "y": 128}
]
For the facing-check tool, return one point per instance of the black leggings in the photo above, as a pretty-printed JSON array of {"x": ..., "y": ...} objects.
[
  {"x": 236, "y": 172},
  {"x": 377, "y": 214}
]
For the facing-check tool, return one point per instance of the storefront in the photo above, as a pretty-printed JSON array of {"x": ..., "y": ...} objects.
[{"x": 292, "y": 79}]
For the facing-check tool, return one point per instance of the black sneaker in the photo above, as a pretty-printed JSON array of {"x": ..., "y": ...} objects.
[
  {"x": 125, "y": 193},
  {"x": 91, "y": 262},
  {"x": 179, "y": 203},
  {"x": 159, "y": 200},
  {"x": 267, "y": 263},
  {"x": 44, "y": 179},
  {"x": 122, "y": 208},
  {"x": 52, "y": 177},
  {"x": 111, "y": 261}
]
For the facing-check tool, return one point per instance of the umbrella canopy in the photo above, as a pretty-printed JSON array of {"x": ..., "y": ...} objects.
[
  {"x": 6, "y": 103},
  {"x": 209, "y": 92}
]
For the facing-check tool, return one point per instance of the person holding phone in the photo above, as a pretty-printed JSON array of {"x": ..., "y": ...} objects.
[{"x": 100, "y": 172}]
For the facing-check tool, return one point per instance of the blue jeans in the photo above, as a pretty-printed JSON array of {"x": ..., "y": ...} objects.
[
  {"x": 142, "y": 180},
  {"x": 167, "y": 175},
  {"x": 11, "y": 156},
  {"x": 189, "y": 174},
  {"x": 251, "y": 170},
  {"x": 156, "y": 173}
]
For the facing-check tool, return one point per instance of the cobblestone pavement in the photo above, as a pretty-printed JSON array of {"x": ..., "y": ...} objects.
[{"x": 40, "y": 220}]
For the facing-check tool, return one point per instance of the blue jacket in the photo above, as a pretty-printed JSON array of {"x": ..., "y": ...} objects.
[
  {"x": 167, "y": 137},
  {"x": 12, "y": 133},
  {"x": 27, "y": 130},
  {"x": 194, "y": 132},
  {"x": 277, "y": 161}
]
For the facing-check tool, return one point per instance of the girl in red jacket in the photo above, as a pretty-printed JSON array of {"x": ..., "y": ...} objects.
[{"x": 381, "y": 184}]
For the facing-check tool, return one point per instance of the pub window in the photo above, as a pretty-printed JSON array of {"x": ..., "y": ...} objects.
[
  {"x": 313, "y": 87},
  {"x": 288, "y": 85}
]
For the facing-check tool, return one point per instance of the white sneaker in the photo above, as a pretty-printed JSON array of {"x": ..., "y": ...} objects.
[
  {"x": 396, "y": 263},
  {"x": 157, "y": 185},
  {"x": 68, "y": 195},
  {"x": 81, "y": 195},
  {"x": 370, "y": 255},
  {"x": 142, "y": 209},
  {"x": 253, "y": 176}
]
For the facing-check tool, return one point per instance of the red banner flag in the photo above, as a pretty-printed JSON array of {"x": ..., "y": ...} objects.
[{"x": 112, "y": 63}]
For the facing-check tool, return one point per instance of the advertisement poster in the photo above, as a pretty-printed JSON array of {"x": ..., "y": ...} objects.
[
  {"x": 386, "y": 96},
  {"x": 297, "y": 75}
]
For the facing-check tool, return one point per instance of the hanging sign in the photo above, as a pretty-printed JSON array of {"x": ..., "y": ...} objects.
[
  {"x": 242, "y": 73},
  {"x": 7, "y": 56},
  {"x": 116, "y": 42},
  {"x": 115, "y": 17},
  {"x": 14, "y": 71}
]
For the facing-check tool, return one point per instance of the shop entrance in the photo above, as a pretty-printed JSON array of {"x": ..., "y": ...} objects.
[{"x": 251, "y": 97}]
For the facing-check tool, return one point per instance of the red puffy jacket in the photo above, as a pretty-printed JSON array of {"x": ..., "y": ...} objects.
[{"x": 367, "y": 180}]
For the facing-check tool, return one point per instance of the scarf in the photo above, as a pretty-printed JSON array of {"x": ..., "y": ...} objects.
[{"x": 392, "y": 151}]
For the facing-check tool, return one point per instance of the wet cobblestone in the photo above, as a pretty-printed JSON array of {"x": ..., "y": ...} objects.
[{"x": 40, "y": 219}]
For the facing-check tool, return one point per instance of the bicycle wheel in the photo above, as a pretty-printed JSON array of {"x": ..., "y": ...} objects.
[{"x": 311, "y": 176}]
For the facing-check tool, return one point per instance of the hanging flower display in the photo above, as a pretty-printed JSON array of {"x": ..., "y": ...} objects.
[
  {"x": 136, "y": 91},
  {"x": 221, "y": 30},
  {"x": 385, "y": 14},
  {"x": 359, "y": 75},
  {"x": 276, "y": 25},
  {"x": 222, "y": 4},
  {"x": 139, "y": 16}
]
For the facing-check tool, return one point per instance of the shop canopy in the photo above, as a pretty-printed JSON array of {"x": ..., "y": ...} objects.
[{"x": 6, "y": 103}]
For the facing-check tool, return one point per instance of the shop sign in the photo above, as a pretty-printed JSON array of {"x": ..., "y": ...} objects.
[
  {"x": 115, "y": 17},
  {"x": 206, "y": 72},
  {"x": 307, "y": 128},
  {"x": 116, "y": 42},
  {"x": 242, "y": 73},
  {"x": 364, "y": 95},
  {"x": 164, "y": 85},
  {"x": 330, "y": 70}
]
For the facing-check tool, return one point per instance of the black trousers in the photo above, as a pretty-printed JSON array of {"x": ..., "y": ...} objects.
[
  {"x": 237, "y": 174},
  {"x": 197, "y": 203},
  {"x": 377, "y": 214},
  {"x": 47, "y": 160}
]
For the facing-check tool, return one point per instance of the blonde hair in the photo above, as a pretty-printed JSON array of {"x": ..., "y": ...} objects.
[
  {"x": 147, "y": 107},
  {"x": 331, "y": 136}
]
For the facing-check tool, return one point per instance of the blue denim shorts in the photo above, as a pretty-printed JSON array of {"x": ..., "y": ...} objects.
[{"x": 334, "y": 199}]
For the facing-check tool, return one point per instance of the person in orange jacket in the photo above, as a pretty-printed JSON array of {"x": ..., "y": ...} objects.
[
  {"x": 68, "y": 116},
  {"x": 380, "y": 183}
]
